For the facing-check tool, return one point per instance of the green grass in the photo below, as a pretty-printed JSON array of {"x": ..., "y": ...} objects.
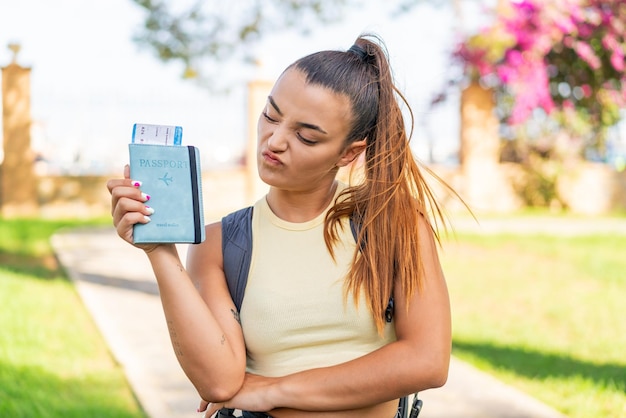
[
  {"x": 53, "y": 361},
  {"x": 544, "y": 314}
]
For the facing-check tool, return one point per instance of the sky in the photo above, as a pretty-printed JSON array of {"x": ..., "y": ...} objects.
[{"x": 90, "y": 82}]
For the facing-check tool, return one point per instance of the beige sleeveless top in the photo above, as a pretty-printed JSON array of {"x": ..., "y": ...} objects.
[{"x": 294, "y": 314}]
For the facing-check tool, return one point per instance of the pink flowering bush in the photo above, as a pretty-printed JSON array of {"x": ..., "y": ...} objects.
[{"x": 565, "y": 57}]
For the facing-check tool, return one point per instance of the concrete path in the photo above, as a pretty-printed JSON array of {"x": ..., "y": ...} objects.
[{"x": 117, "y": 286}]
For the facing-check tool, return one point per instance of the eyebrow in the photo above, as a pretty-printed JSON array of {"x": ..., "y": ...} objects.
[{"x": 302, "y": 124}]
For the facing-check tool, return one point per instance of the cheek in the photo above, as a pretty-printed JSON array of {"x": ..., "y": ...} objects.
[
  {"x": 309, "y": 161},
  {"x": 261, "y": 128}
]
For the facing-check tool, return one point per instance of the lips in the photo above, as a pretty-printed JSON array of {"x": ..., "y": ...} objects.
[{"x": 271, "y": 158}]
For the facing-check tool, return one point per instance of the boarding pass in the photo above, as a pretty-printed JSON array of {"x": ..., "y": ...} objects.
[{"x": 157, "y": 134}]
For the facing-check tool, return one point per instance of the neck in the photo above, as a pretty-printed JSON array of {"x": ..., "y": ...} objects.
[{"x": 300, "y": 206}]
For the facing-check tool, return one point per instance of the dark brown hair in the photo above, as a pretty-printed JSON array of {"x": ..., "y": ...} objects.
[{"x": 393, "y": 195}]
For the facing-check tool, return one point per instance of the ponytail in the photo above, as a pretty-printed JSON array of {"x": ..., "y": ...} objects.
[{"x": 388, "y": 203}]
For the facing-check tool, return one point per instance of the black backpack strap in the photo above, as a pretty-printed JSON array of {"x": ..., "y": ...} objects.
[
  {"x": 402, "y": 408},
  {"x": 416, "y": 408},
  {"x": 355, "y": 227},
  {"x": 237, "y": 251}
]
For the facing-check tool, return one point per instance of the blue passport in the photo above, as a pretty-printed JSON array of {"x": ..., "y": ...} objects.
[{"x": 172, "y": 177}]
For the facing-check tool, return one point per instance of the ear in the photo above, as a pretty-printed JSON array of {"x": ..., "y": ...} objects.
[{"x": 351, "y": 152}]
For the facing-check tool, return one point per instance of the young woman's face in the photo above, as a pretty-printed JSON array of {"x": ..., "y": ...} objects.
[{"x": 301, "y": 134}]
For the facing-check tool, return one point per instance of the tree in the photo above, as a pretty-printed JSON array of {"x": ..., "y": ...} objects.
[
  {"x": 204, "y": 33},
  {"x": 563, "y": 59}
]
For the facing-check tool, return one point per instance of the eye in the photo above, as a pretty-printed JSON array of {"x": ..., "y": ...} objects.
[
  {"x": 268, "y": 117},
  {"x": 304, "y": 140}
]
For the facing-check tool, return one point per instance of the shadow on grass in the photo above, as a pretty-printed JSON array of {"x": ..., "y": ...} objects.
[
  {"x": 27, "y": 392},
  {"x": 541, "y": 365},
  {"x": 43, "y": 267}
]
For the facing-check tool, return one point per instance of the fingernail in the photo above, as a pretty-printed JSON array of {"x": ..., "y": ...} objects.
[
  {"x": 150, "y": 210},
  {"x": 145, "y": 197},
  {"x": 147, "y": 218},
  {"x": 136, "y": 183}
]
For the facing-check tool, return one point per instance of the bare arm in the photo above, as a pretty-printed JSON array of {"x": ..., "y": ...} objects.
[
  {"x": 205, "y": 334},
  {"x": 201, "y": 317}
]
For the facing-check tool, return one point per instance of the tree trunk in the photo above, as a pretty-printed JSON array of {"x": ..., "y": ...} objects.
[
  {"x": 18, "y": 184},
  {"x": 485, "y": 186}
]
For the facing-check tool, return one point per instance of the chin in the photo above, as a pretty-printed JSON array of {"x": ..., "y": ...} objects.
[{"x": 269, "y": 178}]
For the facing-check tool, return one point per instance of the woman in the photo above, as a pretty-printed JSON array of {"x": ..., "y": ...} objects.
[{"x": 318, "y": 341}]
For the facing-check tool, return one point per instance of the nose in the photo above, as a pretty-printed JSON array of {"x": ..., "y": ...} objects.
[{"x": 278, "y": 139}]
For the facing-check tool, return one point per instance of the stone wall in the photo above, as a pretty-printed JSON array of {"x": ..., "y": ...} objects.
[
  {"x": 593, "y": 188},
  {"x": 588, "y": 189},
  {"x": 72, "y": 196},
  {"x": 87, "y": 196}
]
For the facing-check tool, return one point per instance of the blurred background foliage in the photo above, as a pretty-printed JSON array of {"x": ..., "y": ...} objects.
[{"x": 554, "y": 65}]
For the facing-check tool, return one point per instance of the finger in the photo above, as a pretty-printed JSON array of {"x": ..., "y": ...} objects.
[
  {"x": 111, "y": 184},
  {"x": 128, "y": 219},
  {"x": 127, "y": 191},
  {"x": 133, "y": 211},
  {"x": 121, "y": 190},
  {"x": 125, "y": 182},
  {"x": 212, "y": 409},
  {"x": 203, "y": 406},
  {"x": 125, "y": 231},
  {"x": 124, "y": 225}
]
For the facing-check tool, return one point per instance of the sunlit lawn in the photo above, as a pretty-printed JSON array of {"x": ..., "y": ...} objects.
[
  {"x": 53, "y": 361},
  {"x": 545, "y": 314}
]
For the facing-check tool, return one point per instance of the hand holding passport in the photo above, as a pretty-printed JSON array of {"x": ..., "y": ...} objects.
[{"x": 170, "y": 173}]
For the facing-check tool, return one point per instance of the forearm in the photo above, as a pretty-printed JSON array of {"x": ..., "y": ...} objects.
[
  {"x": 388, "y": 373},
  {"x": 201, "y": 345}
]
